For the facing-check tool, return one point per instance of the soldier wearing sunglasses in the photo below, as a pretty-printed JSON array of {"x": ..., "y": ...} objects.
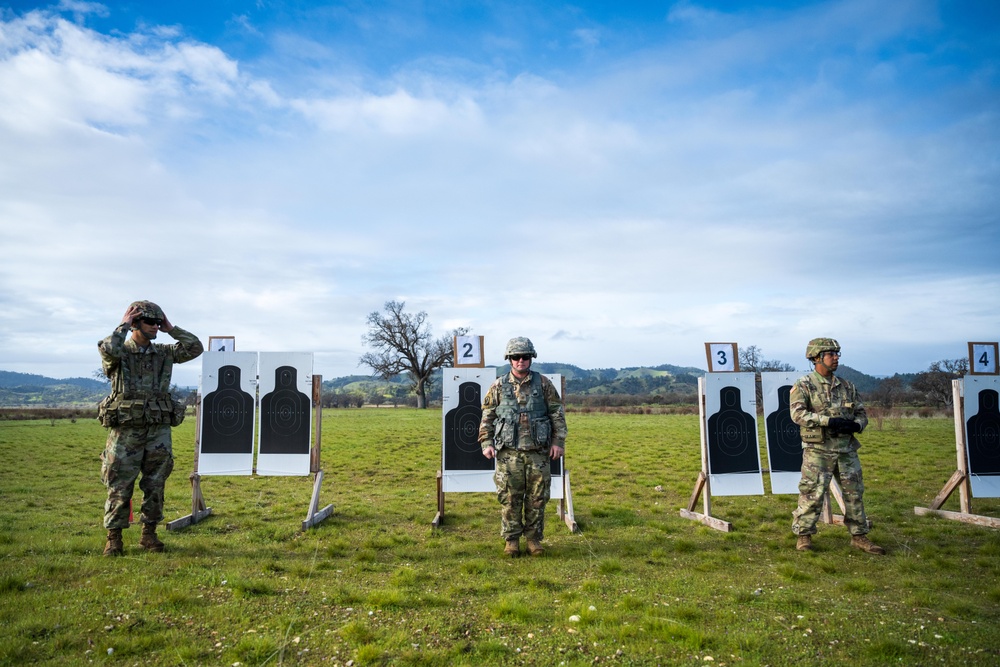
[
  {"x": 139, "y": 413},
  {"x": 523, "y": 427}
]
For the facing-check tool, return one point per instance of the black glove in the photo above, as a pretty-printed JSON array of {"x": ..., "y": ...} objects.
[{"x": 839, "y": 425}]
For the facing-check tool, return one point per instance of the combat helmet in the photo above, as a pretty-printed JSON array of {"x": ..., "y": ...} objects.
[
  {"x": 148, "y": 309},
  {"x": 818, "y": 346},
  {"x": 519, "y": 345}
]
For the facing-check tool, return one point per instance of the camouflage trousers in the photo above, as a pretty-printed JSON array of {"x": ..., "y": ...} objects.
[
  {"x": 818, "y": 468},
  {"x": 129, "y": 452},
  {"x": 523, "y": 480}
]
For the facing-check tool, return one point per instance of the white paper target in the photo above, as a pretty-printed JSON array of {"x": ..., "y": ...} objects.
[
  {"x": 285, "y": 423},
  {"x": 463, "y": 466},
  {"x": 731, "y": 430},
  {"x": 227, "y": 413},
  {"x": 982, "y": 434},
  {"x": 784, "y": 443}
]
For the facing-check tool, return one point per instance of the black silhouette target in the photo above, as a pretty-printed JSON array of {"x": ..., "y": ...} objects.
[
  {"x": 227, "y": 422},
  {"x": 784, "y": 443},
  {"x": 732, "y": 436},
  {"x": 983, "y": 435},
  {"x": 461, "y": 431},
  {"x": 285, "y": 412}
]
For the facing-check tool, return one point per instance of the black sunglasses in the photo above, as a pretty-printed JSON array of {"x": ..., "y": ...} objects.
[
  {"x": 519, "y": 357},
  {"x": 151, "y": 321}
]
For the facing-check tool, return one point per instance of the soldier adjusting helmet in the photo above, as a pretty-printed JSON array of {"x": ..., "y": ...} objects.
[
  {"x": 817, "y": 346},
  {"x": 519, "y": 345}
]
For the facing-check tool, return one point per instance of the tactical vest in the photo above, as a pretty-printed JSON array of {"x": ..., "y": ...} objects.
[
  {"x": 132, "y": 406},
  {"x": 818, "y": 435},
  {"x": 509, "y": 412}
]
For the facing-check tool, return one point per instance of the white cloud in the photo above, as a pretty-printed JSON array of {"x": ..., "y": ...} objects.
[{"x": 703, "y": 189}]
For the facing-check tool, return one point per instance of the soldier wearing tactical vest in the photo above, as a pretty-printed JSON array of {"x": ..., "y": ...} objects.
[
  {"x": 523, "y": 427},
  {"x": 139, "y": 413},
  {"x": 829, "y": 412}
]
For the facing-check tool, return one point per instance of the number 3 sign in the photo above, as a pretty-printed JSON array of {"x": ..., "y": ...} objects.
[
  {"x": 982, "y": 358},
  {"x": 468, "y": 352},
  {"x": 722, "y": 357}
]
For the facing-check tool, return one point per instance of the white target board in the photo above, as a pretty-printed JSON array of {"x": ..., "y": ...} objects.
[
  {"x": 731, "y": 433},
  {"x": 227, "y": 411},
  {"x": 464, "y": 469},
  {"x": 784, "y": 442},
  {"x": 285, "y": 415},
  {"x": 982, "y": 434},
  {"x": 463, "y": 466}
]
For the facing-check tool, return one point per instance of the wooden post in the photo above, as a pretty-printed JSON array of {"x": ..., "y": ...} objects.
[
  {"x": 317, "y": 398},
  {"x": 965, "y": 487},
  {"x": 315, "y": 515},
  {"x": 439, "y": 517}
]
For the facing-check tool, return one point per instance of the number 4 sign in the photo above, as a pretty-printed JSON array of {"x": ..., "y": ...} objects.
[
  {"x": 469, "y": 352},
  {"x": 982, "y": 359},
  {"x": 722, "y": 357}
]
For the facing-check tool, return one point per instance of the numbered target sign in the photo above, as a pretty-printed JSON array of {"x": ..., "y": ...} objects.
[
  {"x": 722, "y": 357},
  {"x": 469, "y": 352},
  {"x": 982, "y": 358},
  {"x": 221, "y": 343}
]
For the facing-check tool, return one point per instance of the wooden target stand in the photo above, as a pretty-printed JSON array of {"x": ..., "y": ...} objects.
[
  {"x": 703, "y": 489},
  {"x": 960, "y": 478},
  {"x": 314, "y": 515}
]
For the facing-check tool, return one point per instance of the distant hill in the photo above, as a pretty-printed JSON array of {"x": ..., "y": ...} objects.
[
  {"x": 27, "y": 390},
  {"x": 24, "y": 389},
  {"x": 11, "y": 379}
]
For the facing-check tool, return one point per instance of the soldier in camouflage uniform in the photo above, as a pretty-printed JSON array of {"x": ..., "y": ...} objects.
[
  {"x": 523, "y": 427},
  {"x": 829, "y": 412},
  {"x": 139, "y": 413}
]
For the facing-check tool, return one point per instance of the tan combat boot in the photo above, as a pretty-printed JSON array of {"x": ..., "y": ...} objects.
[
  {"x": 535, "y": 548},
  {"x": 148, "y": 540},
  {"x": 804, "y": 543},
  {"x": 114, "y": 547},
  {"x": 862, "y": 542},
  {"x": 512, "y": 548}
]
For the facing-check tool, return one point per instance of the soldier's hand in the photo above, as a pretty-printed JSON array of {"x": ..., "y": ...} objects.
[
  {"x": 166, "y": 325},
  {"x": 130, "y": 314},
  {"x": 555, "y": 451},
  {"x": 489, "y": 452},
  {"x": 842, "y": 425}
]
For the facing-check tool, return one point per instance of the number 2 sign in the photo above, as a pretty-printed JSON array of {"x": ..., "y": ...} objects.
[
  {"x": 468, "y": 352},
  {"x": 982, "y": 358},
  {"x": 722, "y": 357}
]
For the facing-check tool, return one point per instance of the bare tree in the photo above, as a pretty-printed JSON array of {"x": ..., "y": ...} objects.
[
  {"x": 935, "y": 382},
  {"x": 403, "y": 344},
  {"x": 752, "y": 361},
  {"x": 888, "y": 392}
]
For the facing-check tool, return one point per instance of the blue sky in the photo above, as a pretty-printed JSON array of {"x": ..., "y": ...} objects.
[{"x": 621, "y": 182}]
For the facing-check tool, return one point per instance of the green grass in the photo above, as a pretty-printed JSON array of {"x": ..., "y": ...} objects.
[{"x": 375, "y": 585}]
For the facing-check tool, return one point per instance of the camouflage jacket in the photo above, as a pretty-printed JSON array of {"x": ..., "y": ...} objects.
[
  {"x": 815, "y": 399},
  {"x": 141, "y": 374},
  {"x": 552, "y": 411}
]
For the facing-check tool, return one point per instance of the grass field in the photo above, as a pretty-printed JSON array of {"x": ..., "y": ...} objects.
[{"x": 374, "y": 585}]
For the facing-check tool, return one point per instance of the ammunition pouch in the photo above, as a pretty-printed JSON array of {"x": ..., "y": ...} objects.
[
  {"x": 541, "y": 431},
  {"x": 505, "y": 434},
  {"x": 812, "y": 435},
  {"x": 118, "y": 412},
  {"x": 177, "y": 414}
]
